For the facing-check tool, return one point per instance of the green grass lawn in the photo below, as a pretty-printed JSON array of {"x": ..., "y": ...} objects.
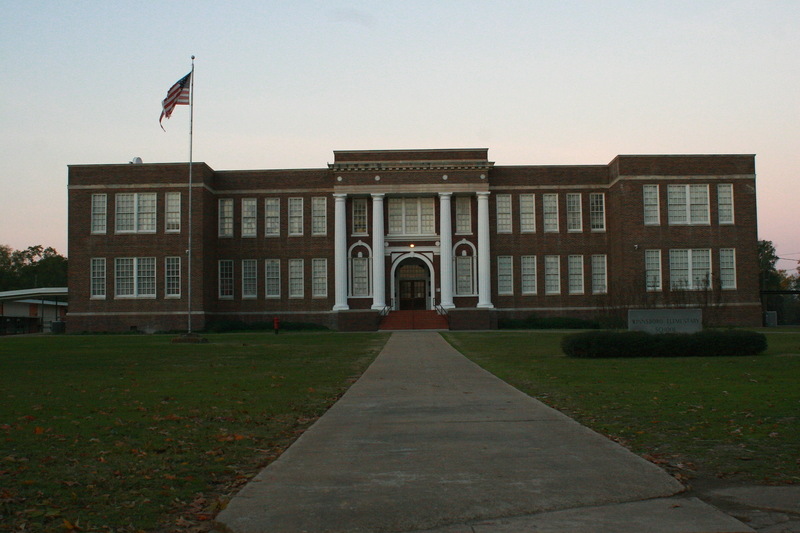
[
  {"x": 729, "y": 417},
  {"x": 129, "y": 433}
]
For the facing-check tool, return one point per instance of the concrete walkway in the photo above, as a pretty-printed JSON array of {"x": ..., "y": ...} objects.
[{"x": 427, "y": 440}]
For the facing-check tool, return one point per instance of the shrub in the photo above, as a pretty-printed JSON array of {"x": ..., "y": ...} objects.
[{"x": 600, "y": 344}]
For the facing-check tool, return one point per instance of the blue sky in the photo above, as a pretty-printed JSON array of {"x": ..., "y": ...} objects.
[{"x": 283, "y": 84}]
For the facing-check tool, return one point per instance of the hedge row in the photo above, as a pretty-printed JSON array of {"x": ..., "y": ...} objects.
[{"x": 597, "y": 344}]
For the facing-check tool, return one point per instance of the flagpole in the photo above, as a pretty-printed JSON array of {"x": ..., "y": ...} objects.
[{"x": 189, "y": 247}]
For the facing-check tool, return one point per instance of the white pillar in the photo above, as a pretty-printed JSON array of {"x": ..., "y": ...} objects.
[
  {"x": 340, "y": 252},
  {"x": 484, "y": 261},
  {"x": 446, "y": 250},
  {"x": 378, "y": 258}
]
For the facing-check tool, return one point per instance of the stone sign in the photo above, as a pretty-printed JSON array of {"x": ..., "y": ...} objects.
[{"x": 665, "y": 320}]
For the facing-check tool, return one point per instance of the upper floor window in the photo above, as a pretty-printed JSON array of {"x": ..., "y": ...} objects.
[
  {"x": 359, "y": 216},
  {"x": 652, "y": 211},
  {"x": 319, "y": 215},
  {"x": 527, "y": 213},
  {"x": 172, "y": 209},
  {"x": 574, "y": 212},
  {"x": 99, "y": 213},
  {"x": 503, "y": 213},
  {"x": 295, "y": 216},
  {"x": 249, "y": 220},
  {"x": 597, "y": 211},
  {"x": 687, "y": 204},
  {"x": 463, "y": 214},
  {"x": 272, "y": 217},
  {"x": 136, "y": 212},
  {"x": 550, "y": 212},
  {"x": 225, "y": 226},
  {"x": 411, "y": 216},
  {"x": 725, "y": 203}
]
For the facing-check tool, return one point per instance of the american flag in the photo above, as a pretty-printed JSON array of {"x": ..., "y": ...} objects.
[{"x": 178, "y": 94}]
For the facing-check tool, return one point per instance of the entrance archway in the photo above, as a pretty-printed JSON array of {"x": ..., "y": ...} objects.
[{"x": 413, "y": 285}]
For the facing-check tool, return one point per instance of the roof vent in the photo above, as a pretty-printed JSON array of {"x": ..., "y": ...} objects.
[{"x": 136, "y": 160}]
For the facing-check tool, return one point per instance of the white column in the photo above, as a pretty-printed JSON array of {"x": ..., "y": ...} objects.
[
  {"x": 340, "y": 252},
  {"x": 446, "y": 250},
  {"x": 378, "y": 258},
  {"x": 484, "y": 261}
]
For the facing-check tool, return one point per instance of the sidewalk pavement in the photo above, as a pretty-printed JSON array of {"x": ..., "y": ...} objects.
[{"x": 428, "y": 441}]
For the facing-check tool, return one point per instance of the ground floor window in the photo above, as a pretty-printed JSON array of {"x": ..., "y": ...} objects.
[
  {"x": 249, "y": 278},
  {"x": 98, "y": 277},
  {"x": 690, "y": 269},
  {"x": 135, "y": 277},
  {"x": 727, "y": 268},
  {"x": 272, "y": 271},
  {"x": 225, "y": 278},
  {"x": 652, "y": 270},
  {"x": 505, "y": 274},
  {"x": 575, "y": 267},
  {"x": 319, "y": 285},
  {"x": 296, "y": 278},
  {"x": 528, "y": 270},
  {"x": 599, "y": 276},
  {"x": 172, "y": 277},
  {"x": 465, "y": 285},
  {"x": 552, "y": 274},
  {"x": 360, "y": 276}
]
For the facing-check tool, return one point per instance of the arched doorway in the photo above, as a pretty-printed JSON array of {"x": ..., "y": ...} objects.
[{"x": 413, "y": 284}]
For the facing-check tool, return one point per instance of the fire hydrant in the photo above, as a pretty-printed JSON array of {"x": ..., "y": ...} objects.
[{"x": 276, "y": 324}]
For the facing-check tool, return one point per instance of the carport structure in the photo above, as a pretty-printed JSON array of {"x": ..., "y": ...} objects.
[{"x": 32, "y": 310}]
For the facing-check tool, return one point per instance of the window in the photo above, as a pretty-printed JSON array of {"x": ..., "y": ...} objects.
[
  {"x": 652, "y": 211},
  {"x": 319, "y": 280},
  {"x": 295, "y": 216},
  {"x": 135, "y": 277},
  {"x": 225, "y": 206},
  {"x": 725, "y": 203},
  {"x": 249, "y": 278},
  {"x": 98, "y": 278},
  {"x": 99, "y": 213},
  {"x": 503, "y": 213},
  {"x": 690, "y": 269},
  {"x": 136, "y": 212},
  {"x": 574, "y": 212},
  {"x": 599, "y": 277},
  {"x": 296, "y": 278},
  {"x": 527, "y": 213},
  {"x": 411, "y": 216},
  {"x": 652, "y": 270},
  {"x": 552, "y": 274},
  {"x": 272, "y": 282},
  {"x": 225, "y": 279},
  {"x": 597, "y": 211},
  {"x": 550, "y": 212},
  {"x": 575, "y": 272},
  {"x": 272, "y": 217},
  {"x": 687, "y": 204},
  {"x": 359, "y": 216},
  {"x": 249, "y": 213},
  {"x": 172, "y": 208},
  {"x": 463, "y": 215},
  {"x": 319, "y": 215},
  {"x": 464, "y": 280},
  {"x": 172, "y": 277},
  {"x": 505, "y": 274},
  {"x": 727, "y": 268},
  {"x": 359, "y": 276},
  {"x": 528, "y": 265}
]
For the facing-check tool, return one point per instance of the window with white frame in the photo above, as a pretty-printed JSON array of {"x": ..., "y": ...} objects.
[
  {"x": 597, "y": 211},
  {"x": 249, "y": 278},
  {"x": 295, "y": 216},
  {"x": 319, "y": 215},
  {"x": 465, "y": 285},
  {"x": 225, "y": 217},
  {"x": 504, "y": 218},
  {"x": 725, "y": 203},
  {"x": 575, "y": 273},
  {"x": 528, "y": 270},
  {"x": 727, "y": 268},
  {"x": 225, "y": 279},
  {"x": 272, "y": 279},
  {"x": 249, "y": 220},
  {"x": 135, "y": 277},
  {"x": 172, "y": 277},
  {"x": 652, "y": 270},
  {"x": 99, "y": 213},
  {"x": 599, "y": 275},
  {"x": 690, "y": 269},
  {"x": 359, "y": 216},
  {"x": 412, "y": 216},
  {"x": 505, "y": 274},
  {"x": 319, "y": 279},
  {"x": 272, "y": 217},
  {"x": 296, "y": 278},
  {"x": 550, "y": 212},
  {"x": 688, "y": 204},
  {"x": 652, "y": 208},
  {"x": 574, "y": 212},
  {"x": 463, "y": 215},
  {"x": 135, "y": 212},
  {"x": 98, "y": 278},
  {"x": 360, "y": 268},
  {"x": 527, "y": 213},
  {"x": 552, "y": 274},
  {"x": 172, "y": 212}
]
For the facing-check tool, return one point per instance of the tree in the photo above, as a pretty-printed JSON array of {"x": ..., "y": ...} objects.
[
  {"x": 33, "y": 267},
  {"x": 769, "y": 276}
]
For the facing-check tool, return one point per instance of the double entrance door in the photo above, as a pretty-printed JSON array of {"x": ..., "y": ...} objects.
[{"x": 413, "y": 294}]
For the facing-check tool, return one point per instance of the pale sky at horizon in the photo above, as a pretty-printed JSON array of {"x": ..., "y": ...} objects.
[{"x": 284, "y": 84}]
